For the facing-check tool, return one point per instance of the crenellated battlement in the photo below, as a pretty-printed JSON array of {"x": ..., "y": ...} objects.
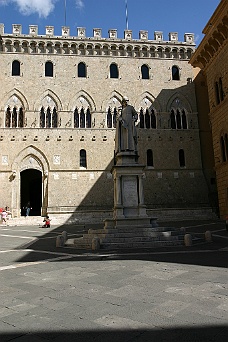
[{"x": 97, "y": 34}]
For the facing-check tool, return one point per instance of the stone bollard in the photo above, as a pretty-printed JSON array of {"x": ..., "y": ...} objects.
[
  {"x": 64, "y": 234},
  {"x": 208, "y": 236},
  {"x": 60, "y": 241},
  {"x": 95, "y": 244},
  {"x": 188, "y": 240}
]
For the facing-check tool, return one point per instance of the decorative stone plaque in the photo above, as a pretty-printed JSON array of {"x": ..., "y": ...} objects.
[
  {"x": 129, "y": 191},
  {"x": 56, "y": 159}
]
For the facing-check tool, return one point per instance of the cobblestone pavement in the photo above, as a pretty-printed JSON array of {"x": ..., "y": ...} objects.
[{"x": 166, "y": 294}]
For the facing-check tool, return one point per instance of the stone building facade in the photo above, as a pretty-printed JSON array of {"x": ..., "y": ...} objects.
[
  {"x": 58, "y": 104},
  {"x": 211, "y": 57}
]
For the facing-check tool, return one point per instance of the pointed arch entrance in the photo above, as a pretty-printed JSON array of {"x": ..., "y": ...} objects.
[
  {"x": 30, "y": 184},
  {"x": 31, "y": 191}
]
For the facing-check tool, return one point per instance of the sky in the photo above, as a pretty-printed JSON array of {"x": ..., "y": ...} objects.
[{"x": 182, "y": 16}]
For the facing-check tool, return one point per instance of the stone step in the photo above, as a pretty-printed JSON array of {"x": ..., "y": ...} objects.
[{"x": 149, "y": 244}]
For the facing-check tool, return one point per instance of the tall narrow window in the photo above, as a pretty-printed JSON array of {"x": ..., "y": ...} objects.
[
  {"x": 76, "y": 118},
  {"x": 223, "y": 149},
  {"x": 147, "y": 119},
  {"x": 8, "y": 118},
  {"x": 181, "y": 158},
  {"x": 114, "y": 73},
  {"x": 14, "y": 118},
  {"x": 48, "y": 118},
  {"x": 54, "y": 118},
  {"x": 178, "y": 120},
  {"x": 149, "y": 155},
  {"x": 221, "y": 93},
  {"x": 81, "y": 69},
  {"x": 83, "y": 162},
  {"x": 145, "y": 72},
  {"x": 82, "y": 118},
  {"x": 141, "y": 118},
  {"x": 109, "y": 118},
  {"x": 49, "y": 69},
  {"x": 184, "y": 120},
  {"x": 16, "y": 68},
  {"x": 88, "y": 118},
  {"x": 153, "y": 120},
  {"x": 42, "y": 118},
  {"x": 175, "y": 73},
  {"x": 173, "y": 120},
  {"x": 217, "y": 93},
  {"x": 21, "y": 118},
  {"x": 114, "y": 117}
]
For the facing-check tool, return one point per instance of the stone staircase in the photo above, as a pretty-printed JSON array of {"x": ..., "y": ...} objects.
[{"x": 125, "y": 238}]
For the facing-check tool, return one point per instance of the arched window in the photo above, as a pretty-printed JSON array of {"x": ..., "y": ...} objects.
[
  {"x": 16, "y": 68},
  {"x": 83, "y": 162},
  {"x": 147, "y": 119},
  {"x": 145, "y": 72},
  {"x": 173, "y": 120},
  {"x": 114, "y": 73},
  {"x": 149, "y": 158},
  {"x": 175, "y": 73},
  {"x": 82, "y": 118},
  {"x": 76, "y": 118},
  {"x": 49, "y": 69},
  {"x": 153, "y": 120},
  {"x": 181, "y": 158},
  {"x": 178, "y": 120},
  {"x": 184, "y": 120},
  {"x": 141, "y": 118},
  {"x": 88, "y": 118},
  {"x": 81, "y": 69},
  {"x": 109, "y": 118}
]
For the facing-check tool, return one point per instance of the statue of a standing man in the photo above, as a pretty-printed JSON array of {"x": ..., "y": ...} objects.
[{"x": 126, "y": 134}]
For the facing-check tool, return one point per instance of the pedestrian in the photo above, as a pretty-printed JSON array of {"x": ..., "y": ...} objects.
[
  {"x": 27, "y": 209},
  {"x": 4, "y": 216},
  {"x": 47, "y": 222}
]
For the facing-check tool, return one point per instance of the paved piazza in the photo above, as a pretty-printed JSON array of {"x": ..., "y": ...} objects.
[{"x": 50, "y": 294}]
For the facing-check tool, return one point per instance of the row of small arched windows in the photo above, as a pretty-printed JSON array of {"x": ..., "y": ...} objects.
[
  {"x": 82, "y": 70},
  {"x": 150, "y": 158},
  {"x": 224, "y": 147}
]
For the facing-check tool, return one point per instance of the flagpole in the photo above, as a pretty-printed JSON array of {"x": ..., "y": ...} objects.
[
  {"x": 126, "y": 15},
  {"x": 65, "y": 12}
]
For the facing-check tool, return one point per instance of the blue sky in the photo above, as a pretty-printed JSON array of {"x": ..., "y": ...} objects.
[{"x": 180, "y": 16}]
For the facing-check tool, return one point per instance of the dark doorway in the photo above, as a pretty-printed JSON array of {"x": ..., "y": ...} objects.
[{"x": 31, "y": 191}]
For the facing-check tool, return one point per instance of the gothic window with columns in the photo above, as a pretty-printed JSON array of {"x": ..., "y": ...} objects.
[
  {"x": 81, "y": 69},
  {"x": 48, "y": 118},
  {"x": 14, "y": 118},
  {"x": 145, "y": 72},
  {"x": 175, "y": 73},
  {"x": 82, "y": 118},
  {"x": 16, "y": 66},
  {"x": 178, "y": 119},
  {"x": 147, "y": 118},
  {"x": 114, "y": 72},
  {"x": 49, "y": 69}
]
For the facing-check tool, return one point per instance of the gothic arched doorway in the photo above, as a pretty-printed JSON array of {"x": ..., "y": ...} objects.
[{"x": 31, "y": 191}]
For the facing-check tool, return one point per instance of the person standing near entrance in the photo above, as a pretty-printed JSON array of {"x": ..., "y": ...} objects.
[{"x": 27, "y": 209}]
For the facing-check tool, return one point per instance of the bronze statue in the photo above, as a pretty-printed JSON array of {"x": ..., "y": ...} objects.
[{"x": 126, "y": 134}]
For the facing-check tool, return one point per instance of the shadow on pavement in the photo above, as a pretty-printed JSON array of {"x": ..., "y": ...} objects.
[
  {"x": 213, "y": 254},
  {"x": 197, "y": 334}
]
